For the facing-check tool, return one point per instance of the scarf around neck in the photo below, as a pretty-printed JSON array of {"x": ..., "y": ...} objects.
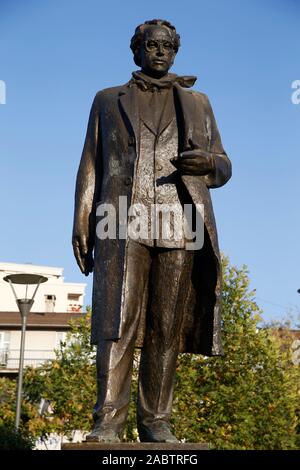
[{"x": 146, "y": 83}]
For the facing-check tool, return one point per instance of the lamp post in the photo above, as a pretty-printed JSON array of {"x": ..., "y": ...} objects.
[{"x": 24, "y": 306}]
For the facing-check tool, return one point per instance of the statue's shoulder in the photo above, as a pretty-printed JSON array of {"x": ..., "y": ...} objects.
[
  {"x": 109, "y": 93},
  {"x": 201, "y": 100},
  {"x": 199, "y": 96}
]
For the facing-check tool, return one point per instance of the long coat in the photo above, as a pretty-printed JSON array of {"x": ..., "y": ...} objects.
[{"x": 106, "y": 172}]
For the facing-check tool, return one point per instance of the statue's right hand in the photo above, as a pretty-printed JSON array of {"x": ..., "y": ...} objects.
[{"x": 83, "y": 257}]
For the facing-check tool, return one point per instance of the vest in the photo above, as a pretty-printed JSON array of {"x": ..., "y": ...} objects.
[{"x": 156, "y": 199}]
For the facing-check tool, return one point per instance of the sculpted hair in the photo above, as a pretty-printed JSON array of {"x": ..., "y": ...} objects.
[{"x": 138, "y": 36}]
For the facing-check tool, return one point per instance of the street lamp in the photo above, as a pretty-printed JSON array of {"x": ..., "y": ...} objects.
[{"x": 24, "y": 306}]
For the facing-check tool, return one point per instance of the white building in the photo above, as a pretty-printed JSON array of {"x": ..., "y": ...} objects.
[{"x": 55, "y": 304}]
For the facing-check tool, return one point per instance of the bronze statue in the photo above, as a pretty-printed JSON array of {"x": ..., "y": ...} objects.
[{"x": 156, "y": 142}]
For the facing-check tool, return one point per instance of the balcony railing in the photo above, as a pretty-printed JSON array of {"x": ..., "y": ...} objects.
[{"x": 9, "y": 359}]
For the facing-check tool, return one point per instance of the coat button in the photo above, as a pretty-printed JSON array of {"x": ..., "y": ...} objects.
[
  {"x": 159, "y": 167},
  {"x": 128, "y": 181},
  {"x": 160, "y": 200}
]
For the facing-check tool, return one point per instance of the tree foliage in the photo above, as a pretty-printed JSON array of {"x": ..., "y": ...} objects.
[
  {"x": 248, "y": 399},
  {"x": 10, "y": 439},
  {"x": 68, "y": 383}
]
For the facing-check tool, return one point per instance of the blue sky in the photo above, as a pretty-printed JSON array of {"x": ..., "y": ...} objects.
[{"x": 55, "y": 55}]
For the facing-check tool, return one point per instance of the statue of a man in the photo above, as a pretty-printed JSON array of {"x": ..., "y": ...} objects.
[{"x": 155, "y": 142}]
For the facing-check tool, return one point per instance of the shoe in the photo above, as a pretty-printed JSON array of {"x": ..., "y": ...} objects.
[
  {"x": 158, "y": 431},
  {"x": 99, "y": 434}
]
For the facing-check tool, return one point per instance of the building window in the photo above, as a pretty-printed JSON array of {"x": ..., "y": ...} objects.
[
  {"x": 49, "y": 303},
  {"x": 74, "y": 304},
  {"x": 61, "y": 337}
]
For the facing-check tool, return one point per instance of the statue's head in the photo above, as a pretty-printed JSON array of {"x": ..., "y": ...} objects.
[{"x": 155, "y": 44}]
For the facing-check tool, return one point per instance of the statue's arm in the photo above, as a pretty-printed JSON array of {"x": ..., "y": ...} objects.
[
  {"x": 221, "y": 165},
  {"x": 209, "y": 161},
  {"x": 86, "y": 194}
]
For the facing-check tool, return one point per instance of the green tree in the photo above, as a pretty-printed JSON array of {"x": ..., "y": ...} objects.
[
  {"x": 10, "y": 439},
  {"x": 247, "y": 399},
  {"x": 68, "y": 383},
  {"x": 29, "y": 412}
]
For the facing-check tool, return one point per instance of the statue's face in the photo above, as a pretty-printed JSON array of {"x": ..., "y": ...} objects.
[{"x": 157, "y": 51}]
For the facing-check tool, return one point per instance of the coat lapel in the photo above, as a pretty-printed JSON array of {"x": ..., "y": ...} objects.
[
  {"x": 194, "y": 135},
  {"x": 187, "y": 104},
  {"x": 129, "y": 104}
]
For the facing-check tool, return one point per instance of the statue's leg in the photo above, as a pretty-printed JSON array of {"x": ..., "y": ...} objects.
[
  {"x": 170, "y": 276},
  {"x": 115, "y": 358}
]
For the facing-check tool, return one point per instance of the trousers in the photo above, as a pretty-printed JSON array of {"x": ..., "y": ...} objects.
[{"x": 164, "y": 273}]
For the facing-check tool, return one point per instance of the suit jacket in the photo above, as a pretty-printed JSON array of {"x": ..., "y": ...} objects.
[{"x": 106, "y": 172}]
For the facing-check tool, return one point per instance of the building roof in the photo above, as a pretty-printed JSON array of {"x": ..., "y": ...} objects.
[
  {"x": 31, "y": 268},
  {"x": 38, "y": 321}
]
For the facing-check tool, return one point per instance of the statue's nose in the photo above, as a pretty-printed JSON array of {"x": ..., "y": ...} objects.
[{"x": 160, "y": 50}]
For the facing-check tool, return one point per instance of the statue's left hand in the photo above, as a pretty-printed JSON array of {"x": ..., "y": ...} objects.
[
  {"x": 83, "y": 254},
  {"x": 194, "y": 162}
]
